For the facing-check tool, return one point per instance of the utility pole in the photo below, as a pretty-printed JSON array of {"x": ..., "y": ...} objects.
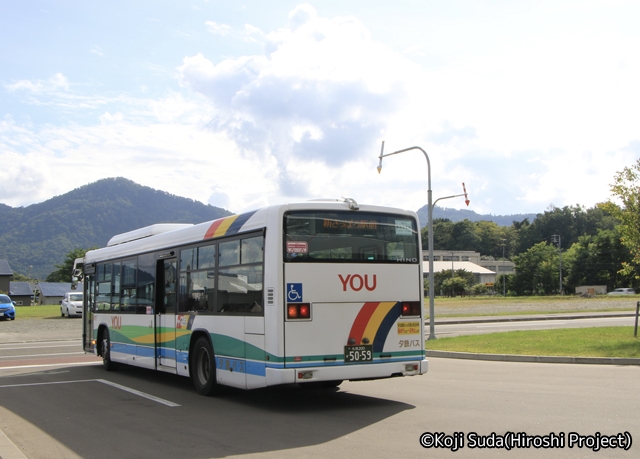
[
  {"x": 431, "y": 204},
  {"x": 558, "y": 240},
  {"x": 452, "y": 276},
  {"x": 504, "y": 279}
]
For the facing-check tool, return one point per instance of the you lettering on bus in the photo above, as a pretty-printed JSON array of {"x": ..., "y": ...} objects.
[{"x": 356, "y": 282}]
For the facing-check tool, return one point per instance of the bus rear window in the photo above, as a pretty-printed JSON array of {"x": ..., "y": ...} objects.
[{"x": 361, "y": 237}]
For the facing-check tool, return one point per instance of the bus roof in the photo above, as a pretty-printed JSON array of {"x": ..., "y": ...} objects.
[{"x": 167, "y": 235}]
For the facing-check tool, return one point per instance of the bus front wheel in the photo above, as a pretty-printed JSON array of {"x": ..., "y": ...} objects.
[
  {"x": 203, "y": 367},
  {"x": 107, "y": 363}
]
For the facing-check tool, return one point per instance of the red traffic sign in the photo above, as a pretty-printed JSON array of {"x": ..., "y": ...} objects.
[{"x": 466, "y": 198}]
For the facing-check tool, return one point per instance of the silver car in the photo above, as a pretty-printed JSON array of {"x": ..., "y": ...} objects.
[
  {"x": 622, "y": 291},
  {"x": 71, "y": 305}
]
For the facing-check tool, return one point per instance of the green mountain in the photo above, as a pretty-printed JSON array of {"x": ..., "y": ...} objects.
[
  {"x": 456, "y": 215},
  {"x": 34, "y": 239}
]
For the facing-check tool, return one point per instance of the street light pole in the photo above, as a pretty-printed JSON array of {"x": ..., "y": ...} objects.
[
  {"x": 432, "y": 333},
  {"x": 452, "y": 275},
  {"x": 558, "y": 240},
  {"x": 504, "y": 282},
  {"x": 430, "y": 206}
]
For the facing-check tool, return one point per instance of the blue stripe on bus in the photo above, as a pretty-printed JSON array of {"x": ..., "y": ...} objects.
[
  {"x": 386, "y": 324},
  {"x": 167, "y": 353},
  {"x": 250, "y": 367},
  {"x": 182, "y": 357},
  {"x": 256, "y": 368},
  {"x": 144, "y": 351},
  {"x": 238, "y": 222},
  {"x": 342, "y": 364}
]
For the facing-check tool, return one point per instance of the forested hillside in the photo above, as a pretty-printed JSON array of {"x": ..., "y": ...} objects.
[
  {"x": 457, "y": 215},
  {"x": 34, "y": 239},
  {"x": 588, "y": 240}
]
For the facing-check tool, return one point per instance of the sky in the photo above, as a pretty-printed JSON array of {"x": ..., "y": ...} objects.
[{"x": 243, "y": 104}]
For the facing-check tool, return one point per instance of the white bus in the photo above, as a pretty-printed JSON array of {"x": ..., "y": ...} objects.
[{"x": 311, "y": 293}]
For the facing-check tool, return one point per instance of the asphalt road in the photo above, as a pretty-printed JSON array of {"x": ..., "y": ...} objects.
[{"x": 72, "y": 412}]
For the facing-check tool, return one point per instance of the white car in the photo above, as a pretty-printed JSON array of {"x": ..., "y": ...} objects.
[
  {"x": 623, "y": 291},
  {"x": 71, "y": 304}
]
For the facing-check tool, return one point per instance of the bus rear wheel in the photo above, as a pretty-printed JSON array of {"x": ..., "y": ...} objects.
[
  {"x": 320, "y": 384},
  {"x": 203, "y": 367},
  {"x": 105, "y": 349}
]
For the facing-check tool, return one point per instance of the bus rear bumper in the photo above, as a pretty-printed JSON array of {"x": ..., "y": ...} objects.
[{"x": 353, "y": 372}]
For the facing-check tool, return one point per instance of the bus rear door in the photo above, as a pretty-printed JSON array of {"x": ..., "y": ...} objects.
[{"x": 166, "y": 314}]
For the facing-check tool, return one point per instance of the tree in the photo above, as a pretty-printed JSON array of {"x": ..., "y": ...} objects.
[
  {"x": 626, "y": 188},
  {"x": 504, "y": 283},
  {"x": 455, "y": 285},
  {"x": 464, "y": 236},
  {"x": 63, "y": 273},
  {"x": 478, "y": 289},
  {"x": 443, "y": 283},
  {"x": 442, "y": 238},
  {"x": 537, "y": 271},
  {"x": 597, "y": 260}
]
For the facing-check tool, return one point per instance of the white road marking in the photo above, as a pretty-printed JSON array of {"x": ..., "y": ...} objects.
[
  {"x": 103, "y": 381},
  {"x": 518, "y": 324},
  {"x": 39, "y": 355},
  {"x": 5, "y": 347},
  {"x": 17, "y": 367}
]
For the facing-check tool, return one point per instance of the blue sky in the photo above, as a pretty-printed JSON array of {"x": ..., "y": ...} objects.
[{"x": 243, "y": 104}]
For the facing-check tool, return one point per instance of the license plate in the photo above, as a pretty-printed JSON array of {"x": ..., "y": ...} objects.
[
  {"x": 1, "y": 314},
  {"x": 357, "y": 354}
]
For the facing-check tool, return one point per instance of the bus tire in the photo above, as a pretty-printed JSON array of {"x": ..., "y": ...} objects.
[
  {"x": 203, "y": 367},
  {"x": 105, "y": 350},
  {"x": 331, "y": 384},
  {"x": 315, "y": 385}
]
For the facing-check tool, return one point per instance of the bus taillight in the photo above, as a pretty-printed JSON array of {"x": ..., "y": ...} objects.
[
  {"x": 299, "y": 311},
  {"x": 410, "y": 308}
]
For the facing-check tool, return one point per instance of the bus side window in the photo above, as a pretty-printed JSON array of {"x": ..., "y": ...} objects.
[
  {"x": 146, "y": 278},
  {"x": 240, "y": 277},
  {"x": 197, "y": 279}
]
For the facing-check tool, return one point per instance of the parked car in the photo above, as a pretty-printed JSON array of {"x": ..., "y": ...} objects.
[
  {"x": 622, "y": 291},
  {"x": 7, "y": 308},
  {"x": 71, "y": 304}
]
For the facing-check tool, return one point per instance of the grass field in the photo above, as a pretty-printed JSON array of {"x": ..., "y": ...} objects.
[
  {"x": 38, "y": 312},
  {"x": 574, "y": 342},
  {"x": 501, "y": 306}
]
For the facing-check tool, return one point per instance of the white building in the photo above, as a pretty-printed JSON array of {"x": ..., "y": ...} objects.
[{"x": 484, "y": 271}]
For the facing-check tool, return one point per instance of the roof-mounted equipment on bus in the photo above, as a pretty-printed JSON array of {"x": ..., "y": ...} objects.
[
  {"x": 147, "y": 231},
  {"x": 353, "y": 205}
]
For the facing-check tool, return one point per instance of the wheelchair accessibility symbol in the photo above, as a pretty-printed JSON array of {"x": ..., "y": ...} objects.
[{"x": 294, "y": 293}]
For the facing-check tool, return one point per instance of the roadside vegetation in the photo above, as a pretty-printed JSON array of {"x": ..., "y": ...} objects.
[
  {"x": 559, "y": 250},
  {"x": 504, "y": 306},
  {"x": 51, "y": 311},
  {"x": 573, "y": 342}
]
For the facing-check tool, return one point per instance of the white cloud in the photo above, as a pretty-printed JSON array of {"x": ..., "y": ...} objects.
[
  {"x": 218, "y": 29},
  {"x": 526, "y": 108},
  {"x": 55, "y": 83},
  {"x": 96, "y": 50},
  {"x": 317, "y": 97}
]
